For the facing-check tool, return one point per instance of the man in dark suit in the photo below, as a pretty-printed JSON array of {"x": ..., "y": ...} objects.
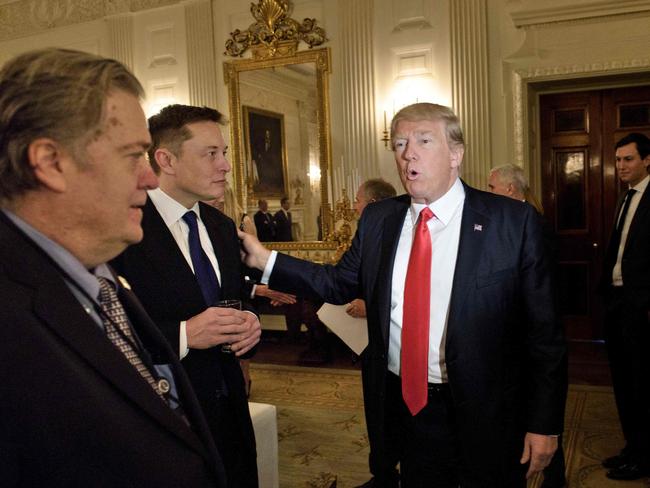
[
  {"x": 92, "y": 395},
  {"x": 466, "y": 364},
  {"x": 510, "y": 181},
  {"x": 626, "y": 285},
  {"x": 282, "y": 220},
  {"x": 179, "y": 284},
  {"x": 264, "y": 222}
]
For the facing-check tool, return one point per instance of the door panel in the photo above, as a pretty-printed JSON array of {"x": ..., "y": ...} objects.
[{"x": 580, "y": 190}]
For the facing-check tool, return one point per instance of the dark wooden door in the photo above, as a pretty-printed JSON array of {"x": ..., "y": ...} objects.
[{"x": 580, "y": 189}]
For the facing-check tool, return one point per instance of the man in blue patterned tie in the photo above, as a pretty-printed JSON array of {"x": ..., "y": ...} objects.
[
  {"x": 92, "y": 394},
  {"x": 186, "y": 263}
]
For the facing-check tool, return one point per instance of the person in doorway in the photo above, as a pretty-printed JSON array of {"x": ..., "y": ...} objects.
[{"x": 626, "y": 287}]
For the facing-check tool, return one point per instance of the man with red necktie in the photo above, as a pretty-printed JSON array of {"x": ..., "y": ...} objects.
[{"x": 465, "y": 355}]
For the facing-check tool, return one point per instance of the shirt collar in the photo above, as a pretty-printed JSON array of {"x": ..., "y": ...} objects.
[
  {"x": 641, "y": 185},
  {"x": 169, "y": 209},
  {"x": 76, "y": 271},
  {"x": 444, "y": 207}
]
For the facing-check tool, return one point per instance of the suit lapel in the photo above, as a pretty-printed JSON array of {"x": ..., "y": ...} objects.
[
  {"x": 392, "y": 227},
  {"x": 474, "y": 230},
  {"x": 639, "y": 217},
  {"x": 58, "y": 309},
  {"x": 163, "y": 252},
  {"x": 145, "y": 327}
]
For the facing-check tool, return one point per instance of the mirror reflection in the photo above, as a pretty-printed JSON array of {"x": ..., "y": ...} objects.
[
  {"x": 279, "y": 111},
  {"x": 280, "y": 143}
]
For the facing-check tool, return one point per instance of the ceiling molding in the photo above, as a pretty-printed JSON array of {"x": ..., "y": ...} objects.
[
  {"x": 576, "y": 12},
  {"x": 23, "y": 18}
]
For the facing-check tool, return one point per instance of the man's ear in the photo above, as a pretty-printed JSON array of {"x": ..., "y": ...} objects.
[
  {"x": 456, "y": 156},
  {"x": 46, "y": 157},
  {"x": 166, "y": 161}
]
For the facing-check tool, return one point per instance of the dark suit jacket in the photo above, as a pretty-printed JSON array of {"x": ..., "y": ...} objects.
[
  {"x": 165, "y": 284},
  {"x": 265, "y": 226},
  {"x": 504, "y": 349},
  {"x": 282, "y": 226},
  {"x": 636, "y": 257},
  {"x": 73, "y": 411}
]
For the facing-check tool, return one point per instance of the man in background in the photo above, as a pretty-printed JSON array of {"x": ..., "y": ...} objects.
[
  {"x": 370, "y": 191},
  {"x": 626, "y": 286},
  {"x": 509, "y": 180},
  {"x": 282, "y": 220},
  {"x": 189, "y": 261},
  {"x": 92, "y": 395},
  {"x": 264, "y": 222},
  {"x": 466, "y": 359}
]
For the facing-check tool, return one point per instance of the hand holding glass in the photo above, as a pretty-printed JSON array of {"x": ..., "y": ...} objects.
[{"x": 236, "y": 304}]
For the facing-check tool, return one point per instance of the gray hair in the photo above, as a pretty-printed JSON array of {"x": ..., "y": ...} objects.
[
  {"x": 432, "y": 112},
  {"x": 54, "y": 93}
]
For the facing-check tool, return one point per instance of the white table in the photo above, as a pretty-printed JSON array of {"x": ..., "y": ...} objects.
[{"x": 266, "y": 438}]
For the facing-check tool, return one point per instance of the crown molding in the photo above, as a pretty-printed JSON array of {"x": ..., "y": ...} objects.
[
  {"x": 576, "y": 12},
  {"x": 23, "y": 18}
]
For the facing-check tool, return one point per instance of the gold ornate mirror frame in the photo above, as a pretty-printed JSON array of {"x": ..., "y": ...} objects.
[{"x": 273, "y": 40}]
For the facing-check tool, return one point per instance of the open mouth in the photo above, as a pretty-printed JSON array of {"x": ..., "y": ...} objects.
[{"x": 411, "y": 174}]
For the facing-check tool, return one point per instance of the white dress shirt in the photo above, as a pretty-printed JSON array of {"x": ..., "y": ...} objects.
[
  {"x": 172, "y": 214},
  {"x": 445, "y": 235},
  {"x": 617, "y": 273}
]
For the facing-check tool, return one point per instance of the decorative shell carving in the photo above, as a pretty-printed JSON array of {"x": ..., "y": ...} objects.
[{"x": 274, "y": 33}]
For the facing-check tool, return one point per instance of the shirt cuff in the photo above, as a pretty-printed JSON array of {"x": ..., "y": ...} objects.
[
  {"x": 268, "y": 269},
  {"x": 182, "y": 341},
  {"x": 253, "y": 292}
]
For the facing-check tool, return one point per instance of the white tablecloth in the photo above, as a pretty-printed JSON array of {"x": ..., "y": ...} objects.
[{"x": 266, "y": 438}]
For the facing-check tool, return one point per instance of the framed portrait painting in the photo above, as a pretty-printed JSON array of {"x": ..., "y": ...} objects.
[{"x": 266, "y": 158}]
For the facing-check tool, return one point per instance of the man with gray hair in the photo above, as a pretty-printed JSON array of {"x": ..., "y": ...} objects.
[
  {"x": 509, "y": 180},
  {"x": 92, "y": 395},
  {"x": 465, "y": 360}
]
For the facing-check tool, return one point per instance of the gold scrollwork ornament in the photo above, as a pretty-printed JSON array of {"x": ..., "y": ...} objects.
[{"x": 274, "y": 33}]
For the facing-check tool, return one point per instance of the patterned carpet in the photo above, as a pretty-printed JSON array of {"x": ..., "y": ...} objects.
[{"x": 322, "y": 435}]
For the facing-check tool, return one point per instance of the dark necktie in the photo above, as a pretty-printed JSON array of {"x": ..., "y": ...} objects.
[
  {"x": 120, "y": 334},
  {"x": 628, "y": 200},
  {"x": 203, "y": 270},
  {"x": 415, "y": 322},
  {"x": 618, "y": 230}
]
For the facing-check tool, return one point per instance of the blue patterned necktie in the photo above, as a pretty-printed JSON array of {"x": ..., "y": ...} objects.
[{"x": 203, "y": 270}]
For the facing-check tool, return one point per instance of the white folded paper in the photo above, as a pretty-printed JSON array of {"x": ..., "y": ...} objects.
[{"x": 351, "y": 330}]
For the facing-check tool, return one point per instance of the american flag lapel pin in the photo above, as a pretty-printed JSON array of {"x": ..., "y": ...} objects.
[{"x": 478, "y": 228}]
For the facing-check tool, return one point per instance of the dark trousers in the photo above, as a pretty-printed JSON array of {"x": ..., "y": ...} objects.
[
  {"x": 239, "y": 459},
  {"x": 627, "y": 334},
  {"x": 429, "y": 445}
]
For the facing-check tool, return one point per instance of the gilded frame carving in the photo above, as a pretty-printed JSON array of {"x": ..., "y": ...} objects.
[{"x": 232, "y": 69}]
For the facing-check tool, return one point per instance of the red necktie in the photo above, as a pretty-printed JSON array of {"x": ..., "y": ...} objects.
[{"x": 415, "y": 324}]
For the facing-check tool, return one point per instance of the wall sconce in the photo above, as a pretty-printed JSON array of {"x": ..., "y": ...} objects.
[
  {"x": 385, "y": 138},
  {"x": 314, "y": 177}
]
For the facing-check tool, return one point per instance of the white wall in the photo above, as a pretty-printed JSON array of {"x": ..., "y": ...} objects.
[{"x": 410, "y": 43}]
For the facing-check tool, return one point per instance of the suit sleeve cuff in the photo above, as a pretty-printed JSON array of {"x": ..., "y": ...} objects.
[
  {"x": 268, "y": 269},
  {"x": 182, "y": 341}
]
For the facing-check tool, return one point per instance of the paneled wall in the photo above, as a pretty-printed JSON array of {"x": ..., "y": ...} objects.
[{"x": 487, "y": 58}]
